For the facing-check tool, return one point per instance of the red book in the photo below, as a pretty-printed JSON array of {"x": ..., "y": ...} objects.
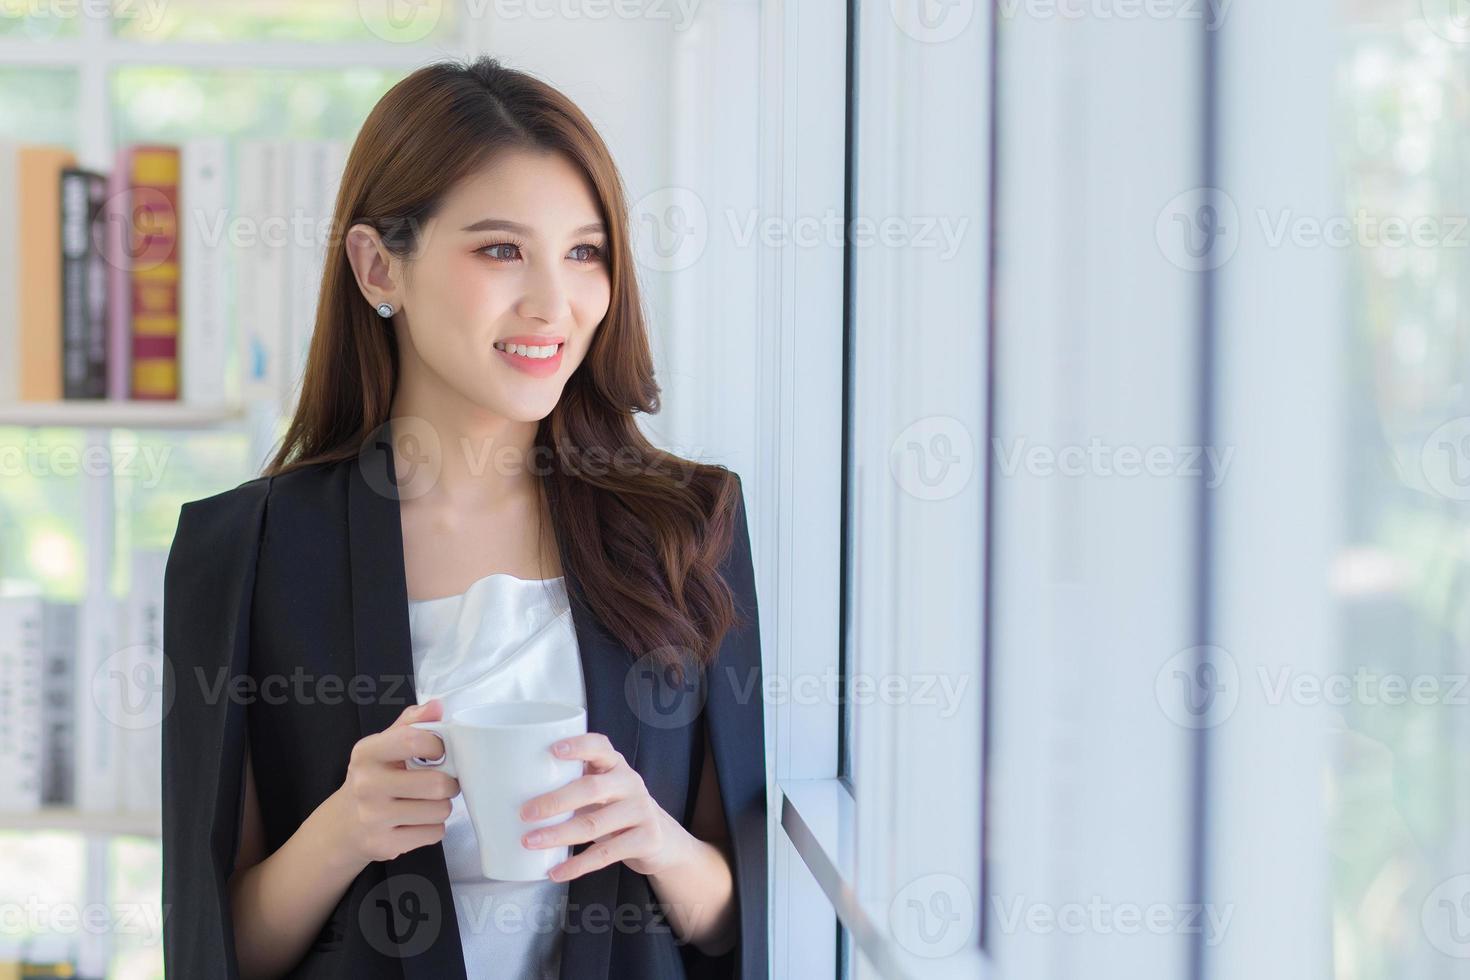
[{"x": 154, "y": 277}]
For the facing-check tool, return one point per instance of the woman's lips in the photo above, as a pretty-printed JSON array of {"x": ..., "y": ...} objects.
[{"x": 537, "y": 367}]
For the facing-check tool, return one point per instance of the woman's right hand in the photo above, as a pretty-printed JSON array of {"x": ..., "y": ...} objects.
[{"x": 383, "y": 807}]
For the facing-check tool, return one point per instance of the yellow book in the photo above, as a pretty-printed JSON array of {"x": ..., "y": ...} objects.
[{"x": 39, "y": 213}]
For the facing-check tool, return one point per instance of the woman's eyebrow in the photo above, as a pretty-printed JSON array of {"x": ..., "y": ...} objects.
[{"x": 500, "y": 224}]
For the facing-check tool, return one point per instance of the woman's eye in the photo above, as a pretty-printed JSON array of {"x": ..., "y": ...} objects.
[
  {"x": 510, "y": 252},
  {"x": 489, "y": 250}
]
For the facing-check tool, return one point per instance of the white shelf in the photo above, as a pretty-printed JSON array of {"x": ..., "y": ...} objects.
[
  {"x": 308, "y": 55},
  {"x": 102, "y": 414},
  {"x": 141, "y": 824}
]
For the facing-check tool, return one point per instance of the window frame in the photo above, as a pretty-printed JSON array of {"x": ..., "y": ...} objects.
[{"x": 839, "y": 825}]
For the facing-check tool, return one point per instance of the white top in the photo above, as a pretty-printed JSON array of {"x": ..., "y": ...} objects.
[{"x": 503, "y": 639}]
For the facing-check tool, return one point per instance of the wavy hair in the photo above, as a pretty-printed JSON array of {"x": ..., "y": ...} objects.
[{"x": 643, "y": 532}]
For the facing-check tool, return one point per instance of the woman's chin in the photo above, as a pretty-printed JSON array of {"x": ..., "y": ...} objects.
[{"x": 520, "y": 406}]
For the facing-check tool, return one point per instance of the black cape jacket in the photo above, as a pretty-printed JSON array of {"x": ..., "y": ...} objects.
[{"x": 286, "y": 622}]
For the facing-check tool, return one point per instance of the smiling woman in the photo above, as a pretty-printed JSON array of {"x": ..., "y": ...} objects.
[
  {"x": 465, "y": 512},
  {"x": 475, "y": 284}
]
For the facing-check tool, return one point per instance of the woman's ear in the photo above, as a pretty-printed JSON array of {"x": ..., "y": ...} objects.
[{"x": 376, "y": 269}]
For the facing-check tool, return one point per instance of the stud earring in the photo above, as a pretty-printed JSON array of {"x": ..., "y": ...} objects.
[{"x": 385, "y": 310}]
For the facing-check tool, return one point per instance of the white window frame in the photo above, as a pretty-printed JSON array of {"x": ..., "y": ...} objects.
[
  {"x": 1281, "y": 329},
  {"x": 1096, "y": 588},
  {"x": 1098, "y": 288},
  {"x": 918, "y": 484},
  {"x": 836, "y": 857}
]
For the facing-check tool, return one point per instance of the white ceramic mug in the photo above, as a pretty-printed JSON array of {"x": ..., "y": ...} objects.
[{"x": 501, "y": 755}]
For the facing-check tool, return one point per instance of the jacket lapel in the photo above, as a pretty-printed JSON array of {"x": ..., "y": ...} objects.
[
  {"x": 417, "y": 881},
  {"x": 592, "y": 897},
  {"x": 383, "y": 651}
]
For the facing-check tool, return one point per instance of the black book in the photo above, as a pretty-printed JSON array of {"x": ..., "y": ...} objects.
[{"x": 83, "y": 285}]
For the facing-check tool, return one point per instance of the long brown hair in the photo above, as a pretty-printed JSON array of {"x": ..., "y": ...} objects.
[{"x": 643, "y": 532}]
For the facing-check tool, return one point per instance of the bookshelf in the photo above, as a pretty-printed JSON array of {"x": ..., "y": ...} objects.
[
  {"x": 110, "y": 414},
  {"x": 100, "y": 61},
  {"x": 97, "y": 417},
  {"x": 69, "y": 819}
]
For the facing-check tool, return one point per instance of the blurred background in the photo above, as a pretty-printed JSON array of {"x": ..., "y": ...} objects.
[{"x": 1092, "y": 369}]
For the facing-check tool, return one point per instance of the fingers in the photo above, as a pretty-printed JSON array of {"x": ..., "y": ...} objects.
[
  {"x": 594, "y": 747},
  {"x": 378, "y": 780},
  {"x": 421, "y": 835},
  {"x": 397, "y": 744},
  {"x": 380, "y": 789},
  {"x": 589, "y": 790},
  {"x": 592, "y": 824},
  {"x": 388, "y": 808},
  {"x": 609, "y": 777},
  {"x": 418, "y": 784},
  {"x": 626, "y": 844},
  {"x": 430, "y": 710},
  {"x": 411, "y": 813}
]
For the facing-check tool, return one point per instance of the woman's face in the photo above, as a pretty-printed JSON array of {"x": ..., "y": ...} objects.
[{"x": 508, "y": 284}]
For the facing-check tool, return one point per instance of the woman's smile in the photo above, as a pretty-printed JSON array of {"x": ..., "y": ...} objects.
[{"x": 538, "y": 357}]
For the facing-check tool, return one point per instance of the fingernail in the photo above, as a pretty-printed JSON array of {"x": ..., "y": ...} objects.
[
  {"x": 561, "y": 748},
  {"x": 533, "y": 838}
]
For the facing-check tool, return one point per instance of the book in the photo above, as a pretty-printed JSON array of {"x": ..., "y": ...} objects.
[
  {"x": 100, "y": 681},
  {"x": 20, "y": 702},
  {"x": 154, "y": 278},
  {"x": 315, "y": 174},
  {"x": 204, "y": 209},
  {"x": 10, "y": 247},
  {"x": 38, "y": 211},
  {"x": 262, "y": 171},
  {"x": 117, "y": 224},
  {"x": 58, "y": 702},
  {"x": 83, "y": 285},
  {"x": 141, "y": 720}
]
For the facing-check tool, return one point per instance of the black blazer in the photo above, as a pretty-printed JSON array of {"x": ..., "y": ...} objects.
[{"x": 286, "y": 606}]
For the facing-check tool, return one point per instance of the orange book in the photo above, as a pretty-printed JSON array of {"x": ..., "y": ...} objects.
[
  {"x": 39, "y": 214},
  {"x": 154, "y": 180}
]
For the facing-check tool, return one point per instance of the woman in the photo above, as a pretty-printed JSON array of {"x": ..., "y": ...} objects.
[{"x": 463, "y": 510}]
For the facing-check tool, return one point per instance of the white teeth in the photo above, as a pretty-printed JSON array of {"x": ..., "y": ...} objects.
[{"x": 525, "y": 351}]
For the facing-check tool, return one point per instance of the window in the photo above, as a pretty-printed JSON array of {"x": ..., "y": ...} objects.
[
  {"x": 1396, "y": 794},
  {"x": 888, "y": 829}
]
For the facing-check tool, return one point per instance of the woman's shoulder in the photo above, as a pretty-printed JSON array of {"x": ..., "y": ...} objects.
[
  {"x": 229, "y": 499},
  {"x": 303, "y": 482},
  {"x": 727, "y": 519},
  {"x": 238, "y": 515}
]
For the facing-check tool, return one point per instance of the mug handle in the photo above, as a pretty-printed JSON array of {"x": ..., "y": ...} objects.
[{"x": 443, "y": 762}]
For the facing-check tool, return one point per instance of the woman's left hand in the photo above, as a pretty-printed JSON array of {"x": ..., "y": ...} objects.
[{"x": 613, "y": 808}]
